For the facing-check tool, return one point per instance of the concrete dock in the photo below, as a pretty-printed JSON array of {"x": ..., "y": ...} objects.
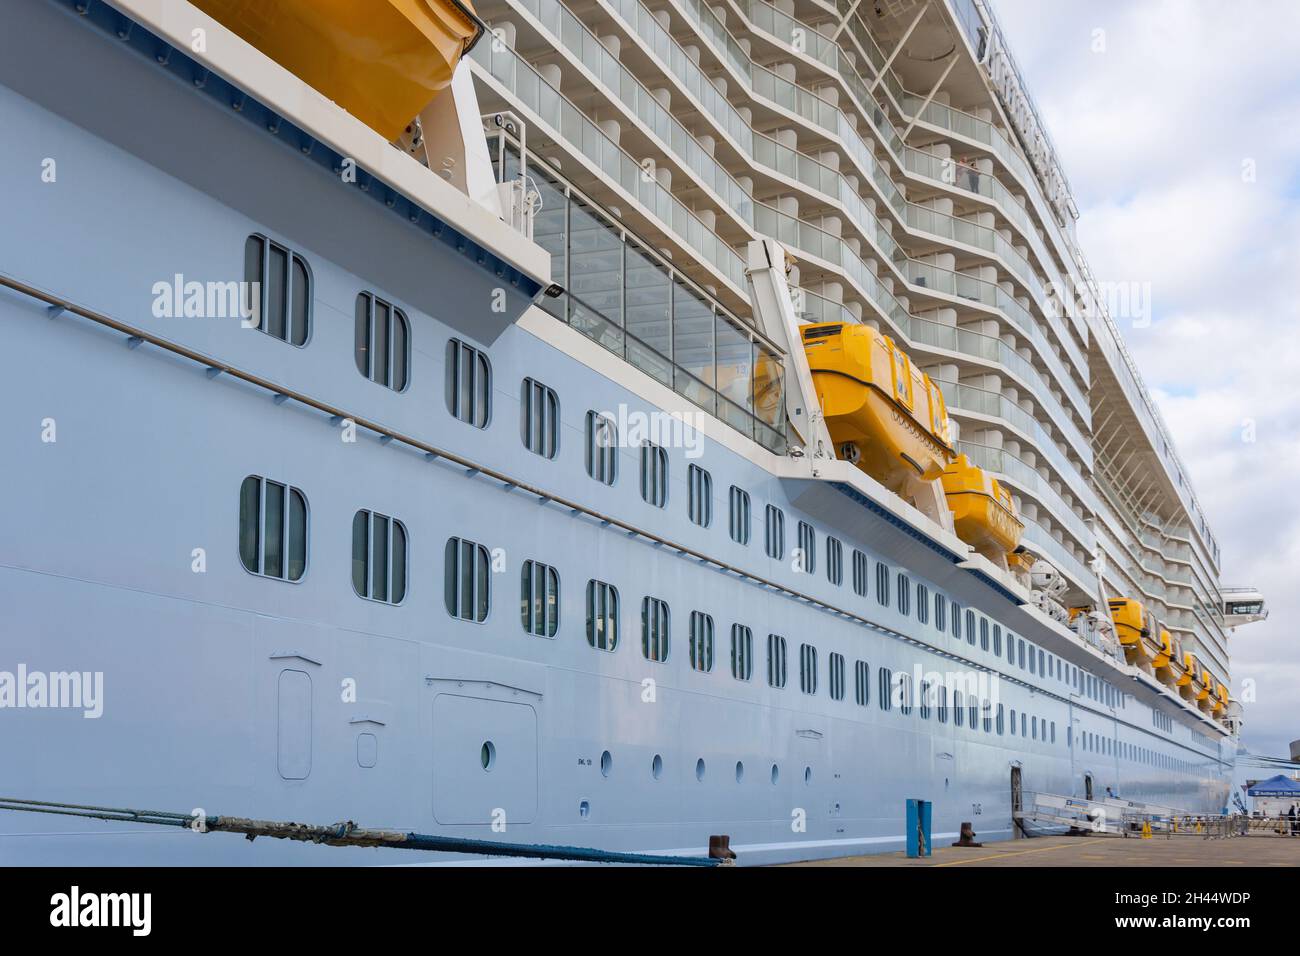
[{"x": 1099, "y": 850}]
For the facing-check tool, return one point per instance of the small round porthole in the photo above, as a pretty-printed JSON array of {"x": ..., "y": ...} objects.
[
  {"x": 807, "y": 775},
  {"x": 657, "y": 767},
  {"x": 487, "y": 755},
  {"x": 699, "y": 770},
  {"x": 776, "y": 774},
  {"x": 606, "y": 763},
  {"x": 740, "y": 771}
]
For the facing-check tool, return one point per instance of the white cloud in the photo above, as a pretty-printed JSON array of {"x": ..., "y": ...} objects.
[{"x": 1154, "y": 133}]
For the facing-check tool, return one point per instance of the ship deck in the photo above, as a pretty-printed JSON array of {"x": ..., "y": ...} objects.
[{"x": 1099, "y": 851}]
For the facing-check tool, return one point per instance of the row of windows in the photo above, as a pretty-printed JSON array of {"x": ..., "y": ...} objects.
[
  {"x": 273, "y": 542},
  {"x": 1112, "y": 747}
]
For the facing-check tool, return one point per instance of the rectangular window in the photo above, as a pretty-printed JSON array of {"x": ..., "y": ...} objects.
[
  {"x": 654, "y": 629},
  {"x": 466, "y": 580},
  {"x": 272, "y": 529},
  {"x": 997, "y": 640},
  {"x": 940, "y": 613},
  {"x": 984, "y": 633},
  {"x": 1002, "y": 715},
  {"x": 539, "y": 418},
  {"x": 378, "y": 557},
  {"x": 382, "y": 342},
  {"x": 469, "y": 384},
  {"x": 808, "y": 668},
  {"x": 987, "y": 709},
  {"x": 885, "y": 688},
  {"x": 956, "y": 620},
  {"x": 970, "y": 627},
  {"x": 943, "y": 704},
  {"x": 882, "y": 584},
  {"x": 699, "y": 486},
  {"x": 807, "y": 548},
  {"x": 834, "y": 561},
  {"x": 859, "y": 573},
  {"x": 602, "y": 448},
  {"x": 701, "y": 642},
  {"x": 776, "y": 670},
  {"x": 1011, "y": 648},
  {"x": 922, "y": 603},
  {"x": 775, "y": 529},
  {"x": 1020, "y": 653},
  {"x": 602, "y": 615},
  {"x": 739, "y": 515},
  {"x": 1032, "y": 668},
  {"x": 278, "y": 290},
  {"x": 742, "y": 652},
  {"x": 862, "y": 683},
  {"x": 837, "y": 676},
  {"x": 926, "y": 692},
  {"x": 539, "y": 599},
  {"x": 958, "y": 710},
  {"x": 904, "y": 594},
  {"x": 654, "y": 475}
]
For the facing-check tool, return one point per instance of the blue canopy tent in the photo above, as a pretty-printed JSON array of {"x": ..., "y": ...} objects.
[{"x": 1279, "y": 786}]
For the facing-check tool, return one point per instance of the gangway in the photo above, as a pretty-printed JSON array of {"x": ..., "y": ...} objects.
[{"x": 1112, "y": 815}]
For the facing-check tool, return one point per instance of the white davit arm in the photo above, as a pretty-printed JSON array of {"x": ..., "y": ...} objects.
[{"x": 769, "y": 294}]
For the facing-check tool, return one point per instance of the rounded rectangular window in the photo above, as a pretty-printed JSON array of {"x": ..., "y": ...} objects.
[
  {"x": 382, "y": 343},
  {"x": 602, "y": 615},
  {"x": 539, "y": 418},
  {"x": 469, "y": 384},
  {"x": 654, "y": 475},
  {"x": 539, "y": 598},
  {"x": 882, "y": 584},
  {"x": 808, "y": 668},
  {"x": 739, "y": 515},
  {"x": 378, "y": 557},
  {"x": 654, "y": 629},
  {"x": 776, "y": 663},
  {"x": 775, "y": 533},
  {"x": 904, "y": 594},
  {"x": 277, "y": 290},
  {"x": 466, "y": 580},
  {"x": 699, "y": 487},
  {"x": 701, "y": 649},
  {"x": 602, "y": 448},
  {"x": 742, "y": 652},
  {"x": 272, "y": 529}
]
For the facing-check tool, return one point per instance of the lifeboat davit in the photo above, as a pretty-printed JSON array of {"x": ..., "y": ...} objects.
[
  {"x": 1168, "y": 663},
  {"x": 883, "y": 413},
  {"x": 383, "y": 60},
  {"x": 984, "y": 515},
  {"x": 1187, "y": 683}
]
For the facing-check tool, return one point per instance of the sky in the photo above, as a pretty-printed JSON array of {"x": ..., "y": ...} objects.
[{"x": 1178, "y": 125}]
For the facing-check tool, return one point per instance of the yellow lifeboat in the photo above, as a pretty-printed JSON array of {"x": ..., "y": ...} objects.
[
  {"x": 1219, "y": 700},
  {"x": 883, "y": 413},
  {"x": 1168, "y": 663},
  {"x": 383, "y": 60},
  {"x": 1132, "y": 627},
  {"x": 1204, "y": 689},
  {"x": 984, "y": 515},
  {"x": 1187, "y": 679}
]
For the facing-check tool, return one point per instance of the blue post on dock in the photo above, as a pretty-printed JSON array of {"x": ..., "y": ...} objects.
[{"x": 918, "y": 827}]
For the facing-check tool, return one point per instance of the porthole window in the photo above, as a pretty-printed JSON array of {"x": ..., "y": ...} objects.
[
  {"x": 699, "y": 770},
  {"x": 657, "y": 767},
  {"x": 606, "y": 763},
  {"x": 487, "y": 757}
]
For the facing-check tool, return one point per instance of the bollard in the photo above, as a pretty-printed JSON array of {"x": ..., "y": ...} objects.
[
  {"x": 967, "y": 836},
  {"x": 720, "y": 848}
]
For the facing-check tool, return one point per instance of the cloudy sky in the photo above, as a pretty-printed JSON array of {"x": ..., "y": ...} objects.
[{"x": 1178, "y": 122}]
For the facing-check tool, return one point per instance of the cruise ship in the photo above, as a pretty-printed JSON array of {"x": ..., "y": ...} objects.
[{"x": 605, "y": 424}]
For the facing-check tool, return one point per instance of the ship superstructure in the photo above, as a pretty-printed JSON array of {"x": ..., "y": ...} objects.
[{"x": 629, "y": 444}]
